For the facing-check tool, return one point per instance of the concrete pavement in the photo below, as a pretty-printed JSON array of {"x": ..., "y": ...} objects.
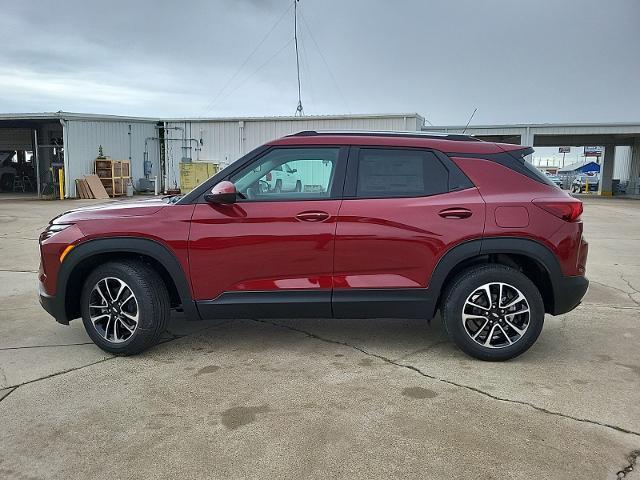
[{"x": 318, "y": 399}]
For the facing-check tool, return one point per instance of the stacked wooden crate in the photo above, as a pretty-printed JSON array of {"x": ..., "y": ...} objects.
[{"x": 114, "y": 175}]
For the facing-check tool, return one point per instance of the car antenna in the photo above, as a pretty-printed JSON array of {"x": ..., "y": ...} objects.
[{"x": 470, "y": 118}]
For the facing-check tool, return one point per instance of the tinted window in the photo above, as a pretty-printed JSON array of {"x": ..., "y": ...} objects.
[
  {"x": 400, "y": 173},
  {"x": 289, "y": 174},
  {"x": 532, "y": 172}
]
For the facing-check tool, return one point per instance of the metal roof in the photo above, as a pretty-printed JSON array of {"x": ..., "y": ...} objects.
[
  {"x": 60, "y": 115},
  {"x": 289, "y": 118},
  {"x": 97, "y": 116},
  {"x": 572, "y": 167}
]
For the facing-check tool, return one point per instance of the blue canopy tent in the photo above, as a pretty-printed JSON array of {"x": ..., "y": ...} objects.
[{"x": 580, "y": 167}]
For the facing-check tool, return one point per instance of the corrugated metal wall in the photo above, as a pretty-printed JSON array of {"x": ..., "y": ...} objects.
[
  {"x": 82, "y": 139},
  {"x": 224, "y": 141},
  {"x": 622, "y": 164}
]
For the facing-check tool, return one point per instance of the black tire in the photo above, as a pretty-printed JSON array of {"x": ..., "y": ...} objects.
[
  {"x": 468, "y": 282},
  {"x": 152, "y": 302},
  {"x": 298, "y": 186},
  {"x": 278, "y": 187}
]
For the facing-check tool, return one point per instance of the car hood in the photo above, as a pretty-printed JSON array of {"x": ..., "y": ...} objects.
[{"x": 111, "y": 210}]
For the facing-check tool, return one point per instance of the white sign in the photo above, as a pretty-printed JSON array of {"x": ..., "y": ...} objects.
[{"x": 592, "y": 151}]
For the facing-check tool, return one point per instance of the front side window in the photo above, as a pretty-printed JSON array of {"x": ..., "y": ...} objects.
[
  {"x": 289, "y": 174},
  {"x": 400, "y": 173}
]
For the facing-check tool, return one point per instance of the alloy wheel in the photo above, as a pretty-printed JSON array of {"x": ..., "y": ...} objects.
[
  {"x": 496, "y": 315},
  {"x": 113, "y": 310}
]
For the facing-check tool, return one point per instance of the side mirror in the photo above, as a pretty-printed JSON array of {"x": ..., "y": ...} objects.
[
  {"x": 223, "y": 193},
  {"x": 293, "y": 170}
]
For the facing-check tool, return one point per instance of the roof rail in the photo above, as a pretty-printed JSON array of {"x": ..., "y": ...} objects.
[{"x": 390, "y": 133}]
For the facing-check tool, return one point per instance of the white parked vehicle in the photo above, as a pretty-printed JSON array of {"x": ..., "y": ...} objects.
[{"x": 283, "y": 179}]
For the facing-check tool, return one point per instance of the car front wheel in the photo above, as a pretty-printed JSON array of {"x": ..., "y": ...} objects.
[
  {"x": 125, "y": 307},
  {"x": 493, "y": 312}
]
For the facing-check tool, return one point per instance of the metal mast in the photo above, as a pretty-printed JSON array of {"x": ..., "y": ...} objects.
[{"x": 299, "y": 109}]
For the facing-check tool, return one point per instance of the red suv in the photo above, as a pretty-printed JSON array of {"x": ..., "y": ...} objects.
[{"x": 383, "y": 225}]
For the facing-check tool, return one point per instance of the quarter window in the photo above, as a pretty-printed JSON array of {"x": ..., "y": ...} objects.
[{"x": 400, "y": 173}]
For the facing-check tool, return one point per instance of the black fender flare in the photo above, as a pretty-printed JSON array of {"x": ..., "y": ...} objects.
[
  {"x": 493, "y": 245},
  {"x": 142, "y": 246}
]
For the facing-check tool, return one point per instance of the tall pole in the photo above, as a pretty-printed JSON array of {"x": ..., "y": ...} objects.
[
  {"x": 36, "y": 157},
  {"x": 299, "y": 109}
]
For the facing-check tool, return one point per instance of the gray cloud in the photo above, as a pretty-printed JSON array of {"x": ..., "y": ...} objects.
[{"x": 529, "y": 61}]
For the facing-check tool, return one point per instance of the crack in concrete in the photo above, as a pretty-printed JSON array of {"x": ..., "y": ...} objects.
[
  {"x": 635, "y": 291},
  {"x": 17, "y": 271},
  {"x": 11, "y": 390},
  {"x": 422, "y": 350},
  {"x": 606, "y": 305},
  {"x": 630, "y": 295},
  {"x": 55, "y": 374},
  {"x": 45, "y": 346},
  {"x": 450, "y": 382}
]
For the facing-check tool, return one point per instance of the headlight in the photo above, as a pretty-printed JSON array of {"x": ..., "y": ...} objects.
[{"x": 52, "y": 229}]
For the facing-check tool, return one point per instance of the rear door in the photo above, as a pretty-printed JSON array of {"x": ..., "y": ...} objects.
[{"x": 402, "y": 210}]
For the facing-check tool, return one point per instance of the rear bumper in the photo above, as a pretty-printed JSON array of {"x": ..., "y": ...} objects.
[
  {"x": 53, "y": 306},
  {"x": 569, "y": 293}
]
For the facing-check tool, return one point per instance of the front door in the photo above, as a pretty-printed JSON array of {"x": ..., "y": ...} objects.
[{"x": 273, "y": 247}]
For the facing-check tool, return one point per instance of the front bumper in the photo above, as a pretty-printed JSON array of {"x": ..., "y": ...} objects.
[
  {"x": 569, "y": 292},
  {"x": 53, "y": 306}
]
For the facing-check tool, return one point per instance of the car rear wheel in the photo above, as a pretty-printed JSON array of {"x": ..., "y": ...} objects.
[
  {"x": 125, "y": 307},
  {"x": 493, "y": 312},
  {"x": 298, "y": 186},
  {"x": 278, "y": 187}
]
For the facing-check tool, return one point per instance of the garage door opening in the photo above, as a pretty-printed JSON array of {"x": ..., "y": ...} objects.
[{"x": 31, "y": 156}]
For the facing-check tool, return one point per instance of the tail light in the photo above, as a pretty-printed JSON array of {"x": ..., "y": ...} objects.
[
  {"x": 268, "y": 177},
  {"x": 568, "y": 210}
]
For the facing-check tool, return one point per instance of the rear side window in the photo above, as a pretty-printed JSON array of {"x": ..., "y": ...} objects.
[
  {"x": 513, "y": 159},
  {"x": 400, "y": 173},
  {"x": 530, "y": 170}
]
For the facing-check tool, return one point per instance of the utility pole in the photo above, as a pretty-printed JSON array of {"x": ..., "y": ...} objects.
[{"x": 299, "y": 109}]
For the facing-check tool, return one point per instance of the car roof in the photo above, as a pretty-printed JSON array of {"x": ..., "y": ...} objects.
[{"x": 449, "y": 143}]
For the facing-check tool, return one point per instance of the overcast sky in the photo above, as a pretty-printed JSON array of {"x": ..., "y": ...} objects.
[{"x": 515, "y": 60}]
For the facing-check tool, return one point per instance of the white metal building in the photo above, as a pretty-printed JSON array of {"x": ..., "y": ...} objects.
[
  {"x": 72, "y": 140},
  {"x": 224, "y": 140},
  {"x": 156, "y": 146}
]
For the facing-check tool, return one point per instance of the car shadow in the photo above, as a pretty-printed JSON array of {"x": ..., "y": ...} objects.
[{"x": 396, "y": 338}]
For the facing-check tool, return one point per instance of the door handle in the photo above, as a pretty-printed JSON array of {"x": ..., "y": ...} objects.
[
  {"x": 312, "y": 216},
  {"x": 455, "y": 212}
]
